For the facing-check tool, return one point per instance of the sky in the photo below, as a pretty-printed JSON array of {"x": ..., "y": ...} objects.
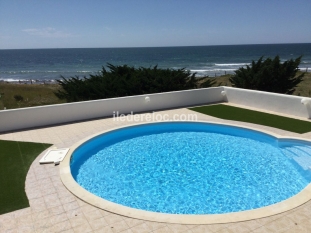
[{"x": 151, "y": 23}]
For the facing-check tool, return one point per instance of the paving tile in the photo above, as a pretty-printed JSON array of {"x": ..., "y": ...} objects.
[
  {"x": 191, "y": 226},
  {"x": 74, "y": 213},
  {"x": 298, "y": 229},
  {"x": 226, "y": 230},
  {"x": 6, "y": 217},
  {"x": 80, "y": 202},
  {"x": 31, "y": 185},
  {"x": 61, "y": 226},
  {"x": 22, "y": 212},
  {"x": 127, "y": 231},
  {"x": 38, "y": 207},
  {"x": 56, "y": 177},
  {"x": 40, "y": 215},
  {"x": 15, "y": 230},
  {"x": 298, "y": 217},
  {"x": 44, "y": 183},
  {"x": 98, "y": 223},
  {"x": 68, "y": 231},
  {"x": 239, "y": 228},
  {"x": 163, "y": 230},
  {"x": 25, "y": 220},
  {"x": 53, "y": 172},
  {"x": 50, "y": 204},
  {"x": 10, "y": 224},
  {"x": 56, "y": 219},
  {"x": 177, "y": 228},
  {"x": 56, "y": 210},
  {"x": 106, "y": 229},
  {"x": 31, "y": 179},
  {"x": 306, "y": 223},
  {"x": 156, "y": 225},
  {"x": 77, "y": 221},
  {"x": 41, "y": 175},
  {"x": 119, "y": 226},
  {"x": 37, "y": 201},
  {"x": 67, "y": 199},
  {"x": 263, "y": 229},
  {"x": 104, "y": 212},
  {"x": 71, "y": 205},
  {"x": 62, "y": 191},
  {"x": 93, "y": 215},
  {"x": 25, "y": 229},
  {"x": 281, "y": 224},
  {"x": 131, "y": 222},
  {"x": 42, "y": 224},
  {"x": 84, "y": 228},
  {"x": 141, "y": 228},
  {"x": 264, "y": 221},
  {"x": 47, "y": 191},
  {"x": 113, "y": 218},
  {"x": 306, "y": 210},
  {"x": 34, "y": 193},
  {"x": 88, "y": 208},
  {"x": 202, "y": 229}
]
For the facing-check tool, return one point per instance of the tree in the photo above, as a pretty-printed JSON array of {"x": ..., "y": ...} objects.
[
  {"x": 269, "y": 75},
  {"x": 126, "y": 81}
]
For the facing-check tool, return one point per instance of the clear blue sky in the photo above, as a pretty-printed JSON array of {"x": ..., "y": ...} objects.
[{"x": 145, "y": 23}]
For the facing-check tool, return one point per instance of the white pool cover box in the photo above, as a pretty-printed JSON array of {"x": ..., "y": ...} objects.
[{"x": 54, "y": 156}]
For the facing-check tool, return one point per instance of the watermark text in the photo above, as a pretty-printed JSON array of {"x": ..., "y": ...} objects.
[{"x": 153, "y": 117}]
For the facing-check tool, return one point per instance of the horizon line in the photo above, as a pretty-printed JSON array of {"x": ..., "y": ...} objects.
[{"x": 174, "y": 46}]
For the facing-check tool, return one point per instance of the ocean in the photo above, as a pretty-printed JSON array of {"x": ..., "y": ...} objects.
[{"x": 50, "y": 64}]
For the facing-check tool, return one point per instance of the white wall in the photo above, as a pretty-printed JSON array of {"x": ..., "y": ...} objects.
[
  {"x": 23, "y": 118},
  {"x": 56, "y": 114},
  {"x": 286, "y": 104}
]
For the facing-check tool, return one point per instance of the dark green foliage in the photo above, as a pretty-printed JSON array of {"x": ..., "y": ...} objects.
[
  {"x": 16, "y": 158},
  {"x": 18, "y": 98},
  {"x": 127, "y": 81},
  {"x": 269, "y": 75},
  {"x": 260, "y": 118}
]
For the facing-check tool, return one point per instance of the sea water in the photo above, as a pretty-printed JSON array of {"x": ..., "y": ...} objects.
[{"x": 51, "y": 64}]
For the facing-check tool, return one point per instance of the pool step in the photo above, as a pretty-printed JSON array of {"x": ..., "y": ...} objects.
[{"x": 300, "y": 154}]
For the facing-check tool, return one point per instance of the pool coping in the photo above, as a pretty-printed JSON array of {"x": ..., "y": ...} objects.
[{"x": 283, "y": 206}]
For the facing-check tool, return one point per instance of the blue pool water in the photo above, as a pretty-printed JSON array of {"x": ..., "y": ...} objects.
[{"x": 192, "y": 168}]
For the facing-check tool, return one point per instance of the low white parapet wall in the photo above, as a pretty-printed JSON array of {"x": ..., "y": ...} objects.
[
  {"x": 279, "y": 103},
  {"x": 23, "y": 118}
]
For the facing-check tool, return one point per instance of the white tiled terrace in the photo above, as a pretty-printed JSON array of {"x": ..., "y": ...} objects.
[{"x": 54, "y": 209}]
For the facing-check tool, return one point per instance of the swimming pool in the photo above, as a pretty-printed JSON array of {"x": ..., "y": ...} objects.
[{"x": 191, "y": 168}]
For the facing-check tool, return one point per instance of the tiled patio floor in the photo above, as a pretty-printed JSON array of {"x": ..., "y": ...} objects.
[{"x": 54, "y": 209}]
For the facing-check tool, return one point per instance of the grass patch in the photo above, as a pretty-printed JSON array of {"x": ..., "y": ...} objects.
[
  {"x": 16, "y": 158},
  {"x": 302, "y": 89},
  {"x": 245, "y": 115},
  {"x": 27, "y": 95}
]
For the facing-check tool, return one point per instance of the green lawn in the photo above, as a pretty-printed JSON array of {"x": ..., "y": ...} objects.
[
  {"x": 16, "y": 158},
  {"x": 245, "y": 115}
]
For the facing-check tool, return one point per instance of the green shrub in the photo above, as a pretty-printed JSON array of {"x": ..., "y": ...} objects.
[
  {"x": 18, "y": 98},
  {"x": 269, "y": 75},
  {"x": 127, "y": 81}
]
